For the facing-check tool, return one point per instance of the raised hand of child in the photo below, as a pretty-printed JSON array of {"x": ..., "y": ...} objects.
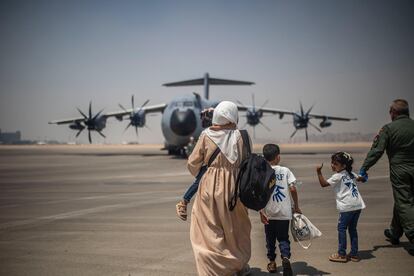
[
  {"x": 319, "y": 168},
  {"x": 264, "y": 218}
]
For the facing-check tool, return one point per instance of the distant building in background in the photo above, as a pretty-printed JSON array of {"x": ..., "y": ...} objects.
[{"x": 10, "y": 137}]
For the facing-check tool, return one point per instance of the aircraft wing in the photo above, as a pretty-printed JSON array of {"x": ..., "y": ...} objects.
[
  {"x": 147, "y": 109},
  {"x": 68, "y": 121},
  {"x": 332, "y": 118},
  {"x": 266, "y": 110},
  {"x": 282, "y": 112}
]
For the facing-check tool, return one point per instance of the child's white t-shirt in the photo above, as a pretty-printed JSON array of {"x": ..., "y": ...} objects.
[
  {"x": 279, "y": 206},
  {"x": 347, "y": 194}
]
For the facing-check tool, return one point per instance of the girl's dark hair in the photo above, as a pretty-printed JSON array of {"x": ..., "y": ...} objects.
[{"x": 346, "y": 159}]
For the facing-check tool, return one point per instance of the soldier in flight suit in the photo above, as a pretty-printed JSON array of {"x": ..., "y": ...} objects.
[{"x": 397, "y": 139}]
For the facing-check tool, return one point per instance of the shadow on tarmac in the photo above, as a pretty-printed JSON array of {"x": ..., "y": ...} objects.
[
  {"x": 406, "y": 245},
  {"x": 299, "y": 268},
  {"x": 302, "y": 268},
  {"x": 114, "y": 154},
  {"x": 368, "y": 254},
  {"x": 255, "y": 271}
]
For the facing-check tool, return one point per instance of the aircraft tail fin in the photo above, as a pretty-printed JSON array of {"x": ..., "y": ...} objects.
[
  {"x": 211, "y": 81},
  {"x": 207, "y": 81},
  {"x": 185, "y": 83}
]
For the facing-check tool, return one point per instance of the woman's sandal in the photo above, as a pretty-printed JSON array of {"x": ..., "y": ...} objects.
[
  {"x": 181, "y": 209},
  {"x": 335, "y": 257}
]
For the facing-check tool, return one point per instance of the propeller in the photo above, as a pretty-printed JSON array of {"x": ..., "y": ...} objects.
[
  {"x": 302, "y": 121},
  {"x": 254, "y": 115},
  {"x": 91, "y": 122},
  {"x": 136, "y": 117}
]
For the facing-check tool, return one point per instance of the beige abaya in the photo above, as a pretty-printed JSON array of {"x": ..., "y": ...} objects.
[{"x": 220, "y": 238}]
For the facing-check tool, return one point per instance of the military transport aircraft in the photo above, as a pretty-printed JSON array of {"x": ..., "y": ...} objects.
[{"x": 181, "y": 116}]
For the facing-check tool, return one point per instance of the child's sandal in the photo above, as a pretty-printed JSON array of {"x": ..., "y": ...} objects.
[
  {"x": 271, "y": 267},
  {"x": 335, "y": 257},
  {"x": 353, "y": 258},
  {"x": 181, "y": 209}
]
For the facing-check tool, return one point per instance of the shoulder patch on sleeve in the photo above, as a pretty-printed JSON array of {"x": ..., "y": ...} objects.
[{"x": 378, "y": 134}]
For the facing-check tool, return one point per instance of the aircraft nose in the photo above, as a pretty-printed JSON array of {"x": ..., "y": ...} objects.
[{"x": 183, "y": 123}]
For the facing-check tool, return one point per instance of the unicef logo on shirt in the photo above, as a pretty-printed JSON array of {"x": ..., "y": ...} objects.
[
  {"x": 353, "y": 188},
  {"x": 278, "y": 195}
]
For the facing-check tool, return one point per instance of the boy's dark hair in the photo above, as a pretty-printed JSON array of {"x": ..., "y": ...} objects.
[
  {"x": 270, "y": 151},
  {"x": 346, "y": 159}
]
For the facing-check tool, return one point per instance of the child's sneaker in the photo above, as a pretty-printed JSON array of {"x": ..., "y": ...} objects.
[
  {"x": 181, "y": 209},
  {"x": 271, "y": 267},
  {"x": 353, "y": 258},
  {"x": 335, "y": 257},
  {"x": 287, "y": 269}
]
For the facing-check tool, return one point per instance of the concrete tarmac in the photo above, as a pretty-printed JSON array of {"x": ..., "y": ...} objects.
[{"x": 110, "y": 210}]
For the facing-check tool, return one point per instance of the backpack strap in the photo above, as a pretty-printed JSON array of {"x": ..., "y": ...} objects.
[
  {"x": 246, "y": 146},
  {"x": 213, "y": 156},
  {"x": 233, "y": 200},
  {"x": 246, "y": 141}
]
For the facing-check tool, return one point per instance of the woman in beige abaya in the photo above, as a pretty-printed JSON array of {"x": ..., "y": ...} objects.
[{"x": 220, "y": 238}]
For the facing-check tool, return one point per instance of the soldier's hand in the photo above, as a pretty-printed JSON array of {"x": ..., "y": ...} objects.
[{"x": 362, "y": 176}]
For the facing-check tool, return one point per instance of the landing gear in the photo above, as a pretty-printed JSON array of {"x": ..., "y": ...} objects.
[{"x": 177, "y": 152}]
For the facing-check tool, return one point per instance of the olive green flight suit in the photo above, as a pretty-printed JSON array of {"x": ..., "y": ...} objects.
[{"x": 397, "y": 139}]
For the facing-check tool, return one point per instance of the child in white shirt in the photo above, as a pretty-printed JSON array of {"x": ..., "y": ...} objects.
[
  {"x": 278, "y": 211},
  {"x": 348, "y": 202}
]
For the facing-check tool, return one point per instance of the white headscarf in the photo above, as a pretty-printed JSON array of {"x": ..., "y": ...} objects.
[{"x": 226, "y": 139}]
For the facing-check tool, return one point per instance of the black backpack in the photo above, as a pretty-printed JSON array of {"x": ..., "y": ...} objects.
[{"x": 256, "y": 180}]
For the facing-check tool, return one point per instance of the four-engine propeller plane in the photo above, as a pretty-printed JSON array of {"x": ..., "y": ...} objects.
[{"x": 181, "y": 116}]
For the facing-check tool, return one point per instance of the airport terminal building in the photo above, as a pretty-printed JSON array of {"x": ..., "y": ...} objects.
[{"x": 10, "y": 137}]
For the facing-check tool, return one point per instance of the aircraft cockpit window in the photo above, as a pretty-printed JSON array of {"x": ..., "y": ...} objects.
[{"x": 188, "y": 104}]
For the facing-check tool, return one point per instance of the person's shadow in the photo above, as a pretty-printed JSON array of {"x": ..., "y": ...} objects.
[
  {"x": 368, "y": 254},
  {"x": 406, "y": 245},
  {"x": 302, "y": 268},
  {"x": 255, "y": 271},
  {"x": 299, "y": 268}
]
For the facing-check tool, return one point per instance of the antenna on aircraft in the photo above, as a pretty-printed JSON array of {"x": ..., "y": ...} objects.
[{"x": 207, "y": 81}]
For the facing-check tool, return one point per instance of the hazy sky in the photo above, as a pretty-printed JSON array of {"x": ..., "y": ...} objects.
[{"x": 350, "y": 58}]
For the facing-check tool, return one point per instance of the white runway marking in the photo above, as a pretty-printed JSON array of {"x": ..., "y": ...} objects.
[{"x": 104, "y": 208}]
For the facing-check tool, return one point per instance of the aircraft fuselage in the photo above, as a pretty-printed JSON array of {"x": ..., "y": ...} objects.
[{"x": 181, "y": 120}]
